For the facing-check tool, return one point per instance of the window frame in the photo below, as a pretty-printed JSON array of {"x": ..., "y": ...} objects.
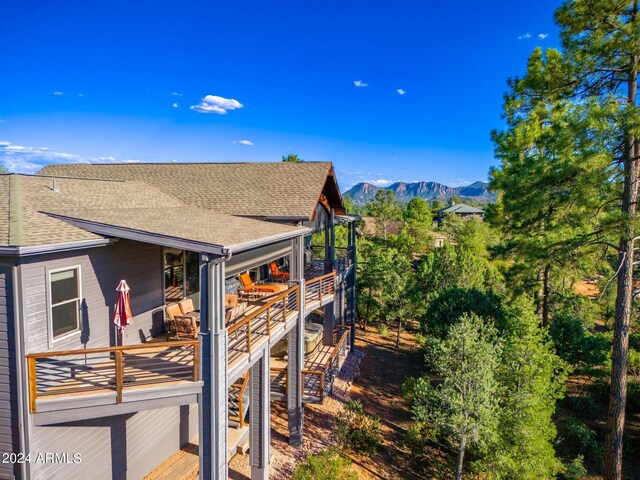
[{"x": 77, "y": 331}]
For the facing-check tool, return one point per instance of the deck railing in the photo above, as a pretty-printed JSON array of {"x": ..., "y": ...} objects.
[
  {"x": 343, "y": 256},
  {"x": 320, "y": 287},
  {"x": 72, "y": 372},
  {"x": 259, "y": 323},
  {"x": 319, "y": 382}
]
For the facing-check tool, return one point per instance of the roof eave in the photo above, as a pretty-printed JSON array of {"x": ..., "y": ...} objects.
[{"x": 22, "y": 251}]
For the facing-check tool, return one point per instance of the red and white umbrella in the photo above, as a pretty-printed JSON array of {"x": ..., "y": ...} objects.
[{"x": 122, "y": 316}]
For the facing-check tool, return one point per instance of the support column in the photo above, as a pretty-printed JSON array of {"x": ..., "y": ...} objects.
[
  {"x": 259, "y": 413},
  {"x": 351, "y": 287},
  {"x": 295, "y": 409},
  {"x": 339, "y": 302},
  {"x": 213, "y": 411}
]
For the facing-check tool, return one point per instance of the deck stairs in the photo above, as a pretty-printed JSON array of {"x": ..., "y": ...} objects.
[{"x": 239, "y": 402}]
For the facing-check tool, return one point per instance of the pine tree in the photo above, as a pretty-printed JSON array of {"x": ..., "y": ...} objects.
[{"x": 601, "y": 40}]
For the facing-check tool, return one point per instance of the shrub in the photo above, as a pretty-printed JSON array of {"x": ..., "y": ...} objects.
[
  {"x": 328, "y": 464},
  {"x": 633, "y": 394},
  {"x": 578, "y": 439},
  {"x": 450, "y": 305},
  {"x": 383, "y": 330},
  {"x": 575, "y": 345},
  {"x": 575, "y": 470},
  {"x": 357, "y": 430},
  {"x": 586, "y": 407}
]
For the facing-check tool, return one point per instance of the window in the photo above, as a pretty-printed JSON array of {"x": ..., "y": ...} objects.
[
  {"x": 181, "y": 274},
  {"x": 64, "y": 289}
]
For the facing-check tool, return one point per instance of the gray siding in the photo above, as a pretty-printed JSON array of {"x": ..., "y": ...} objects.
[
  {"x": 9, "y": 440},
  {"x": 102, "y": 269},
  {"x": 122, "y": 447}
]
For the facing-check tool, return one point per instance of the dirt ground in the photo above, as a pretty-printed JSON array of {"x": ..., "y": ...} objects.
[{"x": 382, "y": 370}]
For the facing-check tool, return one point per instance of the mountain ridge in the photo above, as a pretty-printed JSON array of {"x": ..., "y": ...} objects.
[{"x": 405, "y": 191}]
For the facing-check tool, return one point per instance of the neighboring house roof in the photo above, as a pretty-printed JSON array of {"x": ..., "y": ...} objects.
[
  {"x": 279, "y": 190},
  {"x": 460, "y": 208},
  {"x": 35, "y": 213}
]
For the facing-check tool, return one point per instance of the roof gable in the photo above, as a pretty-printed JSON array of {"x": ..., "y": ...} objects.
[{"x": 277, "y": 190}]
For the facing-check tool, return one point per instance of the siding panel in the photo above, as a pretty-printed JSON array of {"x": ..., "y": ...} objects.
[
  {"x": 101, "y": 271},
  {"x": 9, "y": 439}
]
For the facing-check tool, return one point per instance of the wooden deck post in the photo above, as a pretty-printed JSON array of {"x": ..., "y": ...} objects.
[
  {"x": 33, "y": 384},
  {"x": 119, "y": 375}
]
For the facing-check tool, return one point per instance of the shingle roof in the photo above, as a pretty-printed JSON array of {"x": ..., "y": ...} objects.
[
  {"x": 272, "y": 190},
  {"x": 192, "y": 224},
  {"x": 460, "y": 208},
  {"x": 26, "y": 203}
]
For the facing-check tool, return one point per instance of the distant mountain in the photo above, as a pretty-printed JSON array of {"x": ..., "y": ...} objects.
[{"x": 478, "y": 191}]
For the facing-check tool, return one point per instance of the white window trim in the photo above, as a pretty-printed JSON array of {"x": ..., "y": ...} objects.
[{"x": 73, "y": 333}]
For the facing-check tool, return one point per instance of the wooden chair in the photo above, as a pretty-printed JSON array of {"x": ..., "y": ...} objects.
[
  {"x": 182, "y": 327},
  {"x": 178, "y": 325},
  {"x": 276, "y": 274},
  {"x": 248, "y": 286},
  {"x": 188, "y": 310}
]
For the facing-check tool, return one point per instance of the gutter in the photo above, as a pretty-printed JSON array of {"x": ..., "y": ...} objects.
[{"x": 55, "y": 247}]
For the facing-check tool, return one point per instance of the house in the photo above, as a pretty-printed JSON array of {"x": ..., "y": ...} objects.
[
  {"x": 80, "y": 405},
  {"x": 461, "y": 210}
]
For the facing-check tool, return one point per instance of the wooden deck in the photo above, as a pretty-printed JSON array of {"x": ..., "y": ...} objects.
[
  {"x": 58, "y": 375},
  {"x": 320, "y": 368}
]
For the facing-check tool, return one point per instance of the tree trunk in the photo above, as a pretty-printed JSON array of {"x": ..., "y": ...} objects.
[
  {"x": 399, "y": 331},
  {"x": 546, "y": 290},
  {"x": 463, "y": 445},
  {"x": 624, "y": 297}
]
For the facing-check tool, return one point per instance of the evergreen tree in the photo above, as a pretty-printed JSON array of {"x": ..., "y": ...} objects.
[
  {"x": 531, "y": 377},
  {"x": 601, "y": 40},
  {"x": 464, "y": 407},
  {"x": 385, "y": 210}
]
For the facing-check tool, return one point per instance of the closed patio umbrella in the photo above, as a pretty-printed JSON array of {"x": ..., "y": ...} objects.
[{"x": 122, "y": 316}]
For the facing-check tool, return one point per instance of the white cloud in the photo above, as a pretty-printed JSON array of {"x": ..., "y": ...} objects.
[
  {"x": 21, "y": 159},
  {"x": 81, "y": 94},
  {"x": 244, "y": 142},
  {"x": 216, "y": 104},
  {"x": 58, "y": 93},
  {"x": 460, "y": 182},
  {"x": 176, "y": 94},
  {"x": 174, "y": 105},
  {"x": 381, "y": 182},
  {"x": 542, "y": 36},
  {"x": 401, "y": 91},
  {"x": 526, "y": 36},
  {"x": 360, "y": 83}
]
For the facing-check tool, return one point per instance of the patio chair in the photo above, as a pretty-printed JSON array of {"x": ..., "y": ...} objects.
[
  {"x": 276, "y": 274},
  {"x": 182, "y": 327},
  {"x": 188, "y": 310},
  {"x": 248, "y": 286},
  {"x": 178, "y": 325}
]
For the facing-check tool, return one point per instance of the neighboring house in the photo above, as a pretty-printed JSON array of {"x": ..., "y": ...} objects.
[
  {"x": 439, "y": 239},
  {"x": 173, "y": 231},
  {"x": 461, "y": 210}
]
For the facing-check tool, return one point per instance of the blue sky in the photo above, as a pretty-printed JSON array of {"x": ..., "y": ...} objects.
[{"x": 387, "y": 91}]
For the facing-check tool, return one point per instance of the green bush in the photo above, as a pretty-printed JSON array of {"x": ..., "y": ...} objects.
[
  {"x": 328, "y": 464},
  {"x": 450, "y": 305},
  {"x": 575, "y": 470},
  {"x": 383, "y": 330},
  {"x": 575, "y": 345},
  {"x": 586, "y": 407},
  {"x": 357, "y": 430},
  {"x": 633, "y": 394},
  {"x": 578, "y": 439}
]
